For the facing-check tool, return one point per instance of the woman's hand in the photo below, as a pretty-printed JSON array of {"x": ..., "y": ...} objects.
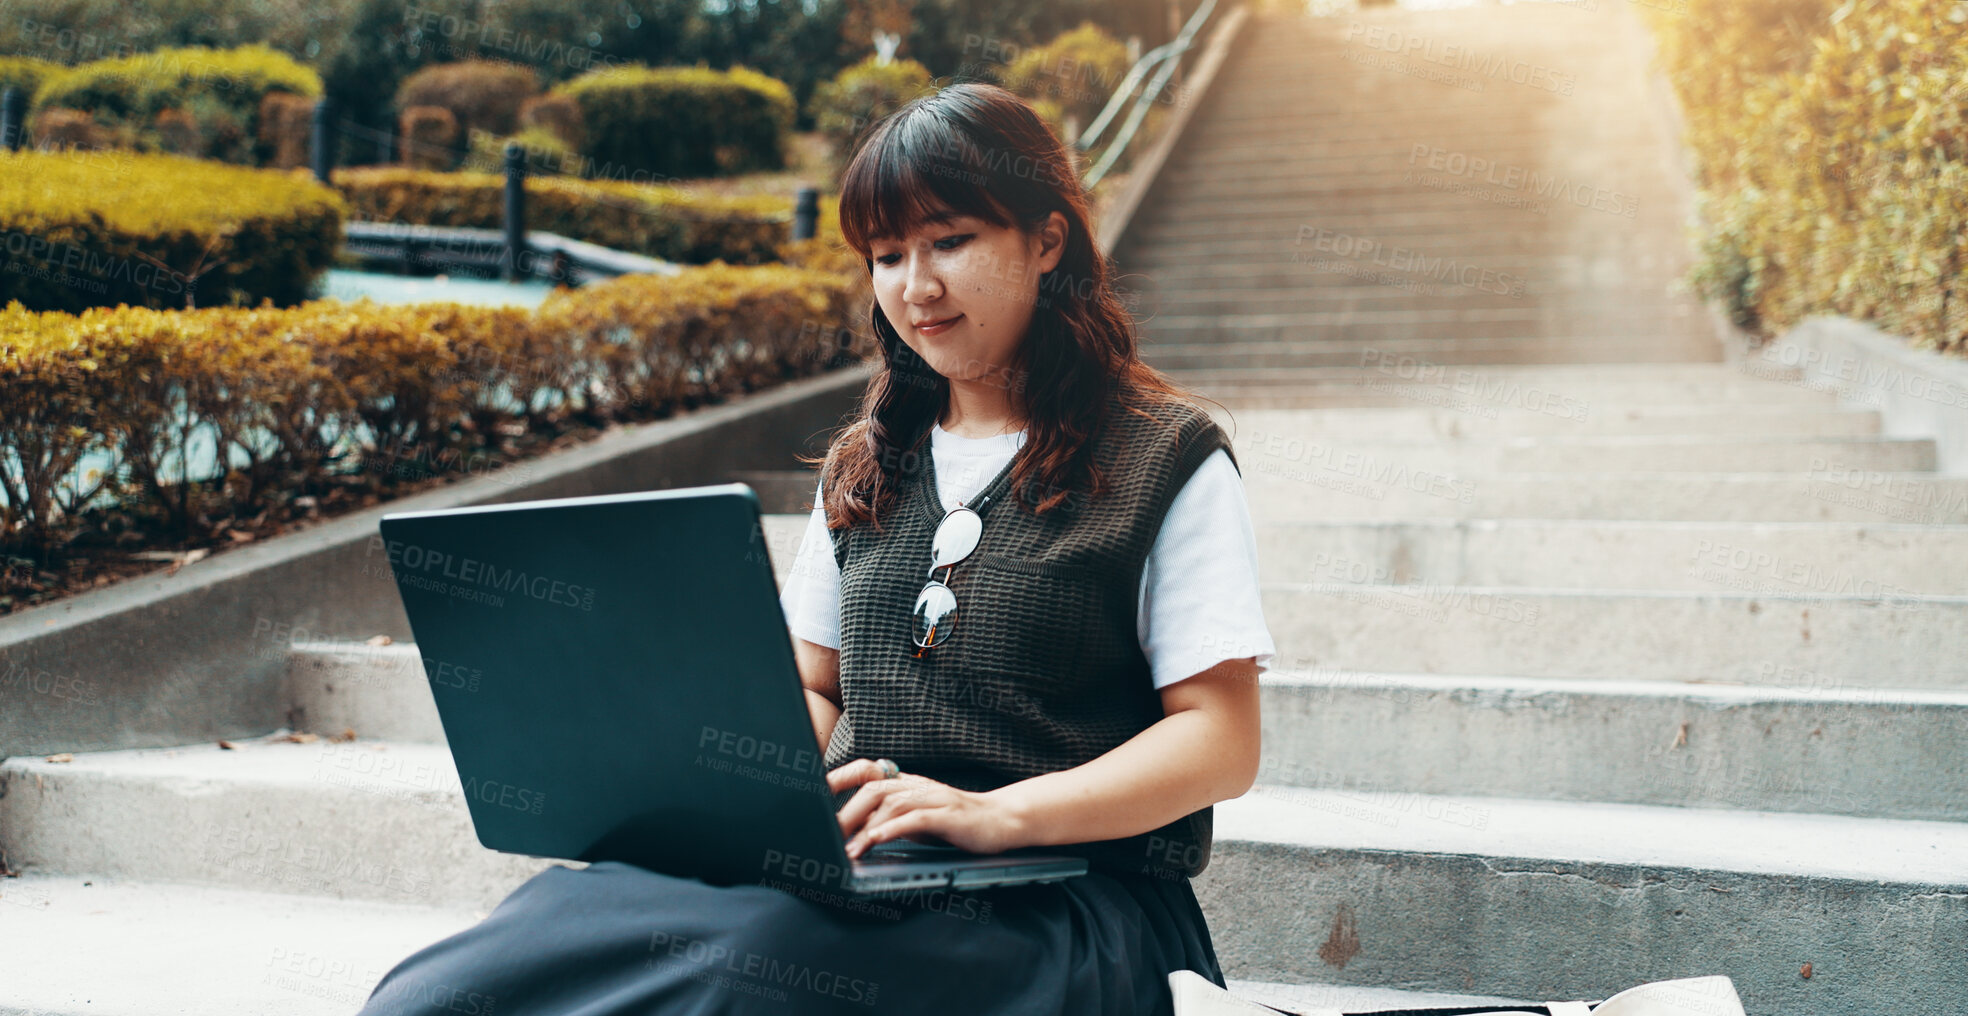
[{"x": 910, "y": 805}]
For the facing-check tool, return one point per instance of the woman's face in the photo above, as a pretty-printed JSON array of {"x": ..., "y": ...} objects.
[{"x": 981, "y": 278}]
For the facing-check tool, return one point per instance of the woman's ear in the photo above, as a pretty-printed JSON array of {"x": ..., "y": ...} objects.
[{"x": 1052, "y": 241}]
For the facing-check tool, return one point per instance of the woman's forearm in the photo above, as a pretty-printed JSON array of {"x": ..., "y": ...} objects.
[
  {"x": 1181, "y": 764},
  {"x": 825, "y": 715}
]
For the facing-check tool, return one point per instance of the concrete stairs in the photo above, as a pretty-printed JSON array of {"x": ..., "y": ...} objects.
[{"x": 1329, "y": 197}]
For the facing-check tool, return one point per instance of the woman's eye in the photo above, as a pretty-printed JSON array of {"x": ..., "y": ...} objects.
[{"x": 953, "y": 241}]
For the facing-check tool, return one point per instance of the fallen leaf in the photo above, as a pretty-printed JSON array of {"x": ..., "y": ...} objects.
[
  {"x": 300, "y": 738},
  {"x": 347, "y": 734},
  {"x": 227, "y": 745},
  {"x": 381, "y": 640},
  {"x": 61, "y": 757},
  {"x": 1806, "y": 971},
  {"x": 239, "y": 537}
]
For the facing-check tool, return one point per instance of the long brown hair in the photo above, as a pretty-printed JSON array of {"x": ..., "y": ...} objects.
[{"x": 976, "y": 149}]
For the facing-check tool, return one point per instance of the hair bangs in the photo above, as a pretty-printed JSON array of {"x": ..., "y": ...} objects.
[{"x": 908, "y": 174}]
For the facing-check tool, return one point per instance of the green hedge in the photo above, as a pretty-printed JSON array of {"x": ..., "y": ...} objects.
[
  {"x": 301, "y": 397},
  {"x": 657, "y": 221},
  {"x": 682, "y": 121},
  {"x": 1831, "y": 143},
  {"x": 89, "y": 229}
]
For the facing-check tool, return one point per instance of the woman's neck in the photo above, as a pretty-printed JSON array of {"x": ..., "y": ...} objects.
[{"x": 976, "y": 414}]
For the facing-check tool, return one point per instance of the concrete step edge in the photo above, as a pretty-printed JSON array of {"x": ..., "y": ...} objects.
[{"x": 1909, "y": 852}]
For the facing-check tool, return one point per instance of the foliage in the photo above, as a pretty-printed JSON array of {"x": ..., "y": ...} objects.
[
  {"x": 654, "y": 220},
  {"x": 159, "y": 230},
  {"x": 1078, "y": 71},
  {"x": 1832, "y": 151},
  {"x": 862, "y": 94},
  {"x": 294, "y": 398},
  {"x": 683, "y": 121},
  {"x": 218, "y": 91}
]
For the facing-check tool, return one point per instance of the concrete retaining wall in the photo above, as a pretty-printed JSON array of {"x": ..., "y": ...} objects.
[{"x": 1917, "y": 393}]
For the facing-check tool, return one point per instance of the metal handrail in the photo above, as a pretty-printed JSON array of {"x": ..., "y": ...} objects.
[{"x": 1167, "y": 55}]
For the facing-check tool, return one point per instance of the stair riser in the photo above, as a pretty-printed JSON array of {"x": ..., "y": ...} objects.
[
  {"x": 1882, "y": 757},
  {"x": 1306, "y": 457},
  {"x": 1727, "y": 558},
  {"x": 1479, "y": 389},
  {"x": 380, "y": 692},
  {"x": 1747, "y": 639},
  {"x": 1659, "y": 497},
  {"x": 1544, "y": 930},
  {"x": 364, "y": 828},
  {"x": 1205, "y": 350},
  {"x": 1567, "y": 418}
]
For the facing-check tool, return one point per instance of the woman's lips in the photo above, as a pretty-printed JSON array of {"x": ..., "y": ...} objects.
[{"x": 938, "y": 328}]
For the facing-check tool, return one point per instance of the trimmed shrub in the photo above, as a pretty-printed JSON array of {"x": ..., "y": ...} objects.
[
  {"x": 558, "y": 114},
  {"x": 61, "y": 129},
  {"x": 546, "y": 153},
  {"x": 657, "y": 221},
  {"x": 220, "y": 90},
  {"x": 430, "y": 137},
  {"x": 1077, "y": 72},
  {"x": 286, "y": 125},
  {"x": 157, "y": 230},
  {"x": 862, "y": 94},
  {"x": 482, "y": 95},
  {"x": 682, "y": 122},
  {"x": 328, "y": 393}
]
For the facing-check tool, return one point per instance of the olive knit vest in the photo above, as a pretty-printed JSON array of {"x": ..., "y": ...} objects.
[{"x": 1043, "y": 670}]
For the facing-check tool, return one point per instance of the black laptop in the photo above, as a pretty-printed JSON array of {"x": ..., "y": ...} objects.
[{"x": 616, "y": 681}]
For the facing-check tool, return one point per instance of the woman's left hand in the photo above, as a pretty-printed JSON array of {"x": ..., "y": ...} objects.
[{"x": 884, "y": 809}]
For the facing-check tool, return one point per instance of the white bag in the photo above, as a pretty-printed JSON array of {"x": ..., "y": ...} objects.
[{"x": 1714, "y": 995}]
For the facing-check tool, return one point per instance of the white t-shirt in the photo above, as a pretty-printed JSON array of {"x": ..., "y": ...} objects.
[{"x": 1199, "y": 602}]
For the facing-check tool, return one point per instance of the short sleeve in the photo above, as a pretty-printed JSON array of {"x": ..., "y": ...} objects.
[
  {"x": 1200, "y": 601},
  {"x": 810, "y": 597}
]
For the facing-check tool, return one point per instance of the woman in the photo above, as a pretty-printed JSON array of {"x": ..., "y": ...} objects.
[{"x": 1097, "y": 697}]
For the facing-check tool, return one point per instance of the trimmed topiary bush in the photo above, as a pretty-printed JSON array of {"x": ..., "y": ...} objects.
[
  {"x": 217, "y": 92},
  {"x": 679, "y": 122}
]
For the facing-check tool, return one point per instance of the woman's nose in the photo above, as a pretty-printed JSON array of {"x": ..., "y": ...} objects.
[{"x": 922, "y": 285}]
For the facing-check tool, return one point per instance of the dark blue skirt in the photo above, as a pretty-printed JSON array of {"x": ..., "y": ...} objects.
[{"x": 613, "y": 939}]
